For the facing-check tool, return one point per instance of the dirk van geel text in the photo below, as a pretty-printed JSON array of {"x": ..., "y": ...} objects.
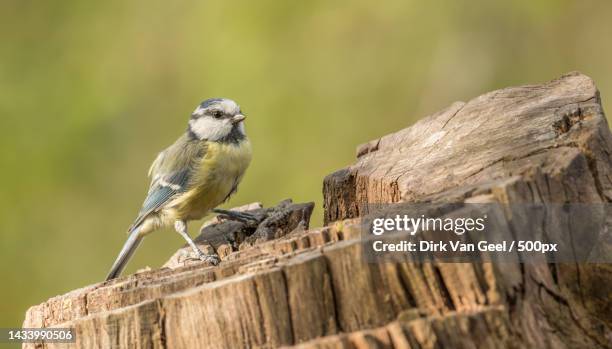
[{"x": 458, "y": 246}]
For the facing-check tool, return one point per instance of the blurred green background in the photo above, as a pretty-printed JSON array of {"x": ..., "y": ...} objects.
[{"x": 91, "y": 91}]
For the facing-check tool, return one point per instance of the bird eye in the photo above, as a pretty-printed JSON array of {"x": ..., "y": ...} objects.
[{"x": 217, "y": 114}]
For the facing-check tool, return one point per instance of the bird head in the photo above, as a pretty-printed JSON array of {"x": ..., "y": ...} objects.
[{"x": 216, "y": 119}]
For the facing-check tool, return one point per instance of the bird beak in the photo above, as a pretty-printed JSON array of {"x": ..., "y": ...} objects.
[{"x": 238, "y": 118}]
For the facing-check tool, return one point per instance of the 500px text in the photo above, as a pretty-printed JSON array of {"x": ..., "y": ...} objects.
[{"x": 458, "y": 246}]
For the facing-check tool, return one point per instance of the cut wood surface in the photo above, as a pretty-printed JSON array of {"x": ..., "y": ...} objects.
[
  {"x": 282, "y": 284},
  {"x": 502, "y": 134}
]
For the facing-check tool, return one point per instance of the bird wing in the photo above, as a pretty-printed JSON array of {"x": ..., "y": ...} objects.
[{"x": 170, "y": 176}]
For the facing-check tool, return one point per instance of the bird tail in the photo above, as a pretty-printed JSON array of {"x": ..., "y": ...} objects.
[{"x": 126, "y": 253}]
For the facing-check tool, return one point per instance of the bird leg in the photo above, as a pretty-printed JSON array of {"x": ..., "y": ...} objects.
[
  {"x": 181, "y": 228},
  {"x": 236, "y": 215}
]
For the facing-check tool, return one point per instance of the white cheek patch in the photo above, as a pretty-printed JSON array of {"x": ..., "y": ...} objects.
[{"x": 209, "y": 128}]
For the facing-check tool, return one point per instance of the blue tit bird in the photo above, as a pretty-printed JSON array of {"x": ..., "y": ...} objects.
[{"x": 190, "y": 178}]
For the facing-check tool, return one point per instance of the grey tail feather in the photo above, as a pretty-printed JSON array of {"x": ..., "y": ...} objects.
[{"x": 126, "y": 253}]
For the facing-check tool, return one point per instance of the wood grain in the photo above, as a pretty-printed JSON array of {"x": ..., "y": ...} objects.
[{"x": 282, "y": 284}]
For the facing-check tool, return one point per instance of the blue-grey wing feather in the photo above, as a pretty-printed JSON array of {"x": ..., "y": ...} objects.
[
  {"x": 165, "y": 189},
  {"x": 170, "y": 177},
  {"x": 161, "y": 192}
]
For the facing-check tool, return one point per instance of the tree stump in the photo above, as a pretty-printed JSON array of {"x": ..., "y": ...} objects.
[{"x": 289, "y": 285}]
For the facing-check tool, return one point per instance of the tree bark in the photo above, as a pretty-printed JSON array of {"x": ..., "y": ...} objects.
[{"x": 282, "y": 284}]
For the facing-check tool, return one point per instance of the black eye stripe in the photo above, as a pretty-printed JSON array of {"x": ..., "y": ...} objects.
[{"x": 216, "y": 113}]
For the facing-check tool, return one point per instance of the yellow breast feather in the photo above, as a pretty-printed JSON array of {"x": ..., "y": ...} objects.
[{"x": 217, "y": 175}]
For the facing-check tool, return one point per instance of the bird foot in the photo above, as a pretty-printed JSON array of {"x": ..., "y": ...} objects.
[
  {"x": 212, "y": 259},
  {"x": 236, "y": 216}
]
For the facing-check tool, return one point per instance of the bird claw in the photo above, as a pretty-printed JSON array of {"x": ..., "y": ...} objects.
[
  {"x": 236, "y": 216},
  {"x": 210, "y": 258}
]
